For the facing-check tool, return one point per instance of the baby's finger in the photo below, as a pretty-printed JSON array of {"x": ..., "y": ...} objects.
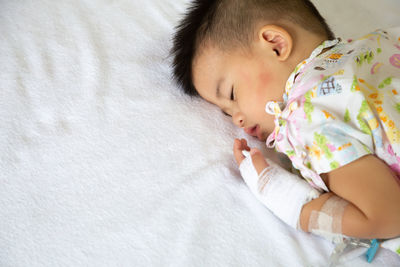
[
  {"x": 258, "y": 160},
  {"x": 244, "y": 145},
  {"x": 237, "y": 151}
]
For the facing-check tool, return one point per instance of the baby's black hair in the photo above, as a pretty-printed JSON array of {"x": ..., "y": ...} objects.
[{"x": 229, "y": 23}]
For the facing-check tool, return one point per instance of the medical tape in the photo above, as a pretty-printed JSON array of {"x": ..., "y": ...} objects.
[
  {"x": 264, "y": 177},
  {"x": 327, "y": 222}
]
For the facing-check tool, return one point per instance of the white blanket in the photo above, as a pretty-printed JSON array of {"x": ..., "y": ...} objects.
[{"x": 103, "y": 162}]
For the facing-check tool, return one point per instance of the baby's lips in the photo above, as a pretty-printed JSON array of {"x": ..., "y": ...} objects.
[{"x": 251, "y": 130}]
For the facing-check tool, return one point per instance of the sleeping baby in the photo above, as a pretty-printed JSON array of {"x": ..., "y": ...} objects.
[{"x": 331, "y": 106}]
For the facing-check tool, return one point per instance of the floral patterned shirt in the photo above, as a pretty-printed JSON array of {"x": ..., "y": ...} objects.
[{"x": 340, "y": 105}]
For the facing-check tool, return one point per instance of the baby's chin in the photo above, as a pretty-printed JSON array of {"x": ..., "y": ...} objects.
[{"x": 264, "y": 137}]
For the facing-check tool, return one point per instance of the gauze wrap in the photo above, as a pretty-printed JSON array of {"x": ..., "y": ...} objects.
[{"x": 280, "y": 191}]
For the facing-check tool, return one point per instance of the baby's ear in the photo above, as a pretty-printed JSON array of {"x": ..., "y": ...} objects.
[{"x": 277, "y": 39}]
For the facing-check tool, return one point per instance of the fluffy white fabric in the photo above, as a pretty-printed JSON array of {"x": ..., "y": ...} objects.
[{"x": 105, "y": 163}]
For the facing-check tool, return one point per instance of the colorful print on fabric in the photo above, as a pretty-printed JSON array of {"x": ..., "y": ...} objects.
[
  {"x": 395, "y": 60},
  {"x": 364, "y": 57},
  {"x": 361, "y": 118},
  {"x": 329, "y": 87},
  {"x": 348, "y": 106},
  {"x": 308, "y": 107}
]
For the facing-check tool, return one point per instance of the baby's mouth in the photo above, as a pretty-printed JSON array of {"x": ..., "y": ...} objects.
[{"x": 254, "y": 131}]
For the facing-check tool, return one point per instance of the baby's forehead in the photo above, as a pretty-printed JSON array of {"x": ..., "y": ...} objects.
[
  {"x": 214, "y": 54},
  {"x": 206, "y": 54},
  {"x": 207, "y": 58},
  {"x": 207, "y": 48},
  {"x": 207, "y": 70}
]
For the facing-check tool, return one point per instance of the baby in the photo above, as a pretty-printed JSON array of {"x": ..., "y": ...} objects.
[{"x": 333, "y": 107}]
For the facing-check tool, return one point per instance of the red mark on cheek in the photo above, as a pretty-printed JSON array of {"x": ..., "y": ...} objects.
[{"x": 264, "y": 78}]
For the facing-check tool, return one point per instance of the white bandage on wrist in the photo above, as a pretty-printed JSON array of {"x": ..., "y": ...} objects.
[{"x": 279, "y": 190}]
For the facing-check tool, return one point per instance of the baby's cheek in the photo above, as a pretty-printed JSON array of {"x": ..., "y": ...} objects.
[
  {"x": 246, "y": 77},
  {"x": 264, "y": 78},
  {"x": 264, "y": 83}
]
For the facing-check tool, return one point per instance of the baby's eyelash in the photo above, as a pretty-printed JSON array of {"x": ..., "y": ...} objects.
[
  {"x": 232, "y": 96},
  {"x": 226, "y": 114}
]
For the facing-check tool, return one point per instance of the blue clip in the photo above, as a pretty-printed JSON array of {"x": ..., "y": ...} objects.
[{"x": 372, "y": 250}]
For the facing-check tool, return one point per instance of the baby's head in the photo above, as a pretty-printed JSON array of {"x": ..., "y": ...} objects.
[{"x": 238, "y": 54}]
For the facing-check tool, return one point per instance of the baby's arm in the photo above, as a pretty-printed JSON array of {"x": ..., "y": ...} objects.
[
  {"x": 373, "y": 193},
  {"x": 282, "y": 192}
]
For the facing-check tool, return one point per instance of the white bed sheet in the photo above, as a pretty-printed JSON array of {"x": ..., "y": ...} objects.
[{"x": 103, "y": 162}]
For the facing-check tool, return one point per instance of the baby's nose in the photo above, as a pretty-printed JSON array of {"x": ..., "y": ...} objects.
[{"x": 238, "y": 119}]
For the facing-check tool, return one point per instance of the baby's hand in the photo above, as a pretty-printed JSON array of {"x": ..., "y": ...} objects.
[{"x": 256, "y": 155}]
